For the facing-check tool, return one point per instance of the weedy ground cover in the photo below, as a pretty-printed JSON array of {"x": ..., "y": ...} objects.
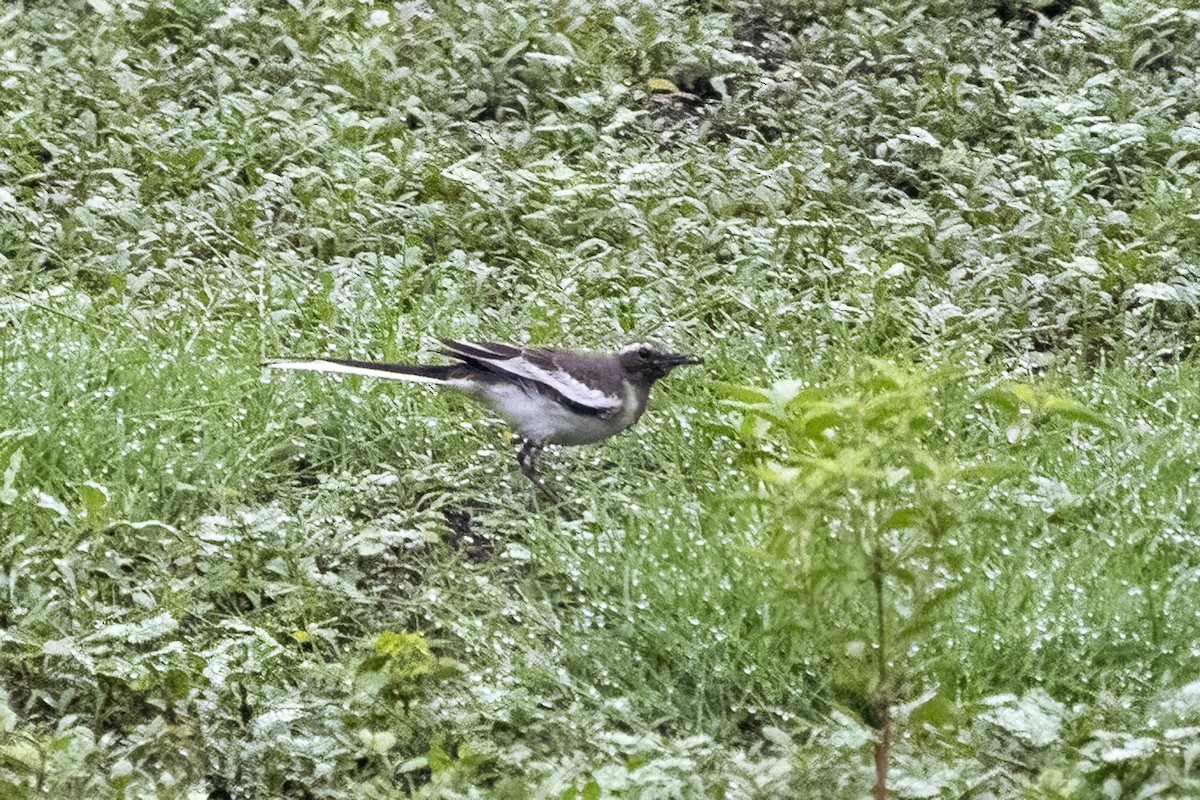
[{"x": 931, "y": 510}]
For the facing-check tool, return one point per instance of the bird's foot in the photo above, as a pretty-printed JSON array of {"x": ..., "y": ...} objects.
[{"x": 527, "y": 459}]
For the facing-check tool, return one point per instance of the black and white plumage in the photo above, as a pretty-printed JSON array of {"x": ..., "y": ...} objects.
[{"x": 547, "y": 394}]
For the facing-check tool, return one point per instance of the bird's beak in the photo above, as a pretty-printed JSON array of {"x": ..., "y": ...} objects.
[{"x": 680, "y": 359}]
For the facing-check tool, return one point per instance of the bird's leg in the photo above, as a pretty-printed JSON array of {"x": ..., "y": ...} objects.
[{"x": 527, "y": 458}]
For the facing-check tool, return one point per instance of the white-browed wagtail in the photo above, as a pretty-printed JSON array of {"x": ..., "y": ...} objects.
[{"x": 547, "y": 394}]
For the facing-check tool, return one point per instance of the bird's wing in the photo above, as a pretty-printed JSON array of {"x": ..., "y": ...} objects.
[{"x": 541, "y": 367}]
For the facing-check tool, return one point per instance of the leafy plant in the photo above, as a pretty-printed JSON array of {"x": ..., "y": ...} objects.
[
  {"x": 871, "y": 502},
  {"x": 401, "y": 669}
]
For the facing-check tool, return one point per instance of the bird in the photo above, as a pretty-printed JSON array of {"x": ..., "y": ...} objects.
[{"x": 548, "y": 395}]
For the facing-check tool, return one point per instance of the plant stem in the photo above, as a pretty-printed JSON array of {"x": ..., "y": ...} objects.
[
  {"x": 883, "y": 748},
  {"x": 883, "y": 715}
]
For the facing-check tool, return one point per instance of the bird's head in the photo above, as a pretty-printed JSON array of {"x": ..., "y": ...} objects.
[{"x": 647, "y": 362}]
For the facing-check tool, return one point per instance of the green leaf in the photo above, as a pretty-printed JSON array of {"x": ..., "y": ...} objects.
[
  {"x": 804, "y": 402},
  {"x": 907, "y": 517},
  {"x": 52, "y": 504},
  {"x": 59, "y": 647},
  {"x": 378, "y": 742},
  {"x": 815, "y": 426},
  {"x": 1036, "y": 718},
  {"x": 1076, "y": 412},
  {"x": 936, "y": 712},
  {"x": 21, "y": 756},
  {"x": 591, "y": 791},
  {"x": 94, "y": 497},
  {"x": 788, "y": 392},
  {"x": 884, "y": 381},
  {"x": 764, "y": 410},
  {"x": 413, "y": 764},
  {"x": 8, "y": 717},
  {"x": 138, "y": 632},
  {"x": 777, "y": 737},
  {"x": 439, "y": 760},
  {"x": 8, "y": 494},
  {"x": 743, "y": 394},
  {"x": 1025, "y": 394},
  {"x": 1002, "y": 399}
]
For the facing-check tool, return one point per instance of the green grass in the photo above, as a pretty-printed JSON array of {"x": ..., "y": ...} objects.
[{"x": 208, "y": 574}]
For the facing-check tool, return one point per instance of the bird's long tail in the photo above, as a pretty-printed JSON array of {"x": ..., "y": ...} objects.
[{"x": 413, "y": 373}]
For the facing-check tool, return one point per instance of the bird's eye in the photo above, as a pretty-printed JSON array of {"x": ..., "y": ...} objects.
[{"x": 644, "y": 353}]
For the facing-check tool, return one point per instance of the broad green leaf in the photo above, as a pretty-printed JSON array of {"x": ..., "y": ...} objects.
[
  {"x": 1025, "y": 394},
  {"x": 907, "y": 517},
  {"x": 936, "y": 712},
  {"x": 744, "y": 394},
  {"x": 1076, "y": 412},
  {"x": 790, "y": 391},
  {"x": 1002, "y": 399},
  {"x": 94, "y": 497},
  {"x": 438, "y": 759},
  {"x": 816, "y": 426}
]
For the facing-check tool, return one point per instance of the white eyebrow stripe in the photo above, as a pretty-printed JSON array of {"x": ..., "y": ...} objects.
[{"x": 562, "y": 382}]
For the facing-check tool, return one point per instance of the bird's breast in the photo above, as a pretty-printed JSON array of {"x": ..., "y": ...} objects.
[
  {"x": 632, "y": 408},
  {"x": 540, "y": 418}
]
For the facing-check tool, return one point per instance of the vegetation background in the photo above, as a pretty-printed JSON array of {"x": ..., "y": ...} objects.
[{"x": 954, "y": 244}]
